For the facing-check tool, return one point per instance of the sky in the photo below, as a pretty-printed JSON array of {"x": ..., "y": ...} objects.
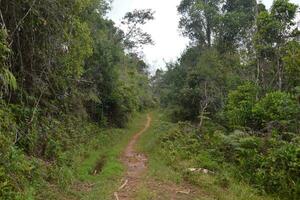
[{"x": 169, "y": 43}]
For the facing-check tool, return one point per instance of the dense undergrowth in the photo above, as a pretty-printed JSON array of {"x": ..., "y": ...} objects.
[
  {"x": 69, "y": 160},
  {"x": 66, "y": 73},
  {"x": 27, "y": 164},
  {"x": 236, "y": 159},
  {"x": 236, "y": 88}
]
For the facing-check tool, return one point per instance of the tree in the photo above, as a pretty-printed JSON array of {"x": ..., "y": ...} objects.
[
  {"x": 291, "y": 63},
  {"x": 199, "y": 19},
  {"x": 236, "y": 25},
  {"x": 274, "y": 30},
  {"x": 134, "y": 36}
]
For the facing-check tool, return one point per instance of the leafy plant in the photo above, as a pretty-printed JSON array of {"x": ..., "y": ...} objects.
[
  {"x": 276, "y": 106},
  {"x": 240, "y": 104}
]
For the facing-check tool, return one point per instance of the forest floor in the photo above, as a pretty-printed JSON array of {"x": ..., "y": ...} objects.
[{"x": 136, "y": 185}]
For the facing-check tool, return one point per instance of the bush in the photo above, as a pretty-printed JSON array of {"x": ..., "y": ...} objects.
[
  {"x": 239, "y": 106},
  {"x": 33, "y": 155},
  {"x": 276, "y": 111},
  {"x": 276, "y": 106},
  {"x": 270, "y": 165},
  {"x": 280, "y": 171}
]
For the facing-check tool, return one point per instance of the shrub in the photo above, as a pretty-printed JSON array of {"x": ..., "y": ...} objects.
[
  {"x": 280, "y": 171},
  {"x": 243, "y": 109},
  {"x": 271, "y": 165},
  {"x": 276, "y": 106},
  {"x": 238, "y": 110}
]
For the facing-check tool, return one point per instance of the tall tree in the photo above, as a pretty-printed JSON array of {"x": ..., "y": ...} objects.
[
  {"x": 134, "y": 36},
  {"x": 236, "y": 25},
  {"x": 199, "y": 19},
  {"x": 275, "y": 29}
]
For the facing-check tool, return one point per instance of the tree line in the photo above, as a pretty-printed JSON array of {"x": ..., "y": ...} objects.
[
  {"x": 240, "y": 72},
  {"x": 63, "y": 66}
]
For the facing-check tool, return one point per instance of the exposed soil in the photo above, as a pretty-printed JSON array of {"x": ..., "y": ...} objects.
[{"x": 136, "y": 164}]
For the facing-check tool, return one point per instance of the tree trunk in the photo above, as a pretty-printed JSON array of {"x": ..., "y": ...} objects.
[
  {"x": 279, "y": 68},
  {"x": 204, "y": 106},
  {"x": 280, "y": 75}
]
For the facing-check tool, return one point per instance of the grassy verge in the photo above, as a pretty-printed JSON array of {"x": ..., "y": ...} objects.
[
  {"x": 109, "y": 179},
  {"x": 96, "y": 166},
  {"x": 149, "y": 144},
  {"x": 168, "y": 162}
]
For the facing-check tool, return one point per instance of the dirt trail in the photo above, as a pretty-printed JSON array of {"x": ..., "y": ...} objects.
[{"x": 136, "y": 164}]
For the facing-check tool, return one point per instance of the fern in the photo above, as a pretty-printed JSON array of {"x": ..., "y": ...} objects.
[{"x": 8, "y": 80}]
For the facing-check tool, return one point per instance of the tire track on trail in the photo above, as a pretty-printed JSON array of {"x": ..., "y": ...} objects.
[{"x": 136, "y": 166}]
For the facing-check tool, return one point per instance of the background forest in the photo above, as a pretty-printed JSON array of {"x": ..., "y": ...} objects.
[
  {"x": 238, "y": 86},
  {"x": 64, "y": 74},
  {"x": 67, "y": 73}
]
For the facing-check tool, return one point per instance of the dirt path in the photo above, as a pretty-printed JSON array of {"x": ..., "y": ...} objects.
[{"x": 136, "y": 165}]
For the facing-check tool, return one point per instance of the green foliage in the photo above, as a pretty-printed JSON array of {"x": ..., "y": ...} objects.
[
  {"x": 291, "y": 61},
  {"x": 15, "y": 167},
  {"x": 276, "y": 106},
  {"x": 241, "y": 71},
  {"x": 236, "y": 24},
  {"x": 271, "y": 165},
  {"x": 4, "y": 50},
  {"x": 7, "y": 79},
  {"x": 240, "y": 104},
  {"x": 193, "y": 87},
  {"x": 172, "y": 149},
  {"x": 73, "y": 76},
  {"x": 275, "y": 28},
  {"x": 280, "y": 171},
  {"x": 58, "y": 148},
  {"x": 244, "y": 109},
  {"x": 135, "y": 37},
  {"x": 79, "y": 50},
  {"x": 84, "y": 54}
]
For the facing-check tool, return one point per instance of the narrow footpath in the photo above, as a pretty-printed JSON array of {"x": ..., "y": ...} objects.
[{"x": 136, "y": 166}]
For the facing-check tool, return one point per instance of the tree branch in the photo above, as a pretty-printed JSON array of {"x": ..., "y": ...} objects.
[{"x": 21, "y": 21}]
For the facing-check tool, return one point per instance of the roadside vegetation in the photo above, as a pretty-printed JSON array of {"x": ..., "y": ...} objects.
[
  {"x": 72, "y": 85},
  {"x": 67, "y": 76},
  {"x": 94, "y": 168},
  {"x": 174, "y": 149},
  {"x": 235, "y": 94}
]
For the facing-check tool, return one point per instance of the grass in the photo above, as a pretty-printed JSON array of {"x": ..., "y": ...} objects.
[
  {"x": 145, "y": 194},
  {"x": 221, "y": 186},
  {"x": 149, "y": 144},
  {"x": 102, "y": 153},
  {"x": 107, "y": 182}
]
